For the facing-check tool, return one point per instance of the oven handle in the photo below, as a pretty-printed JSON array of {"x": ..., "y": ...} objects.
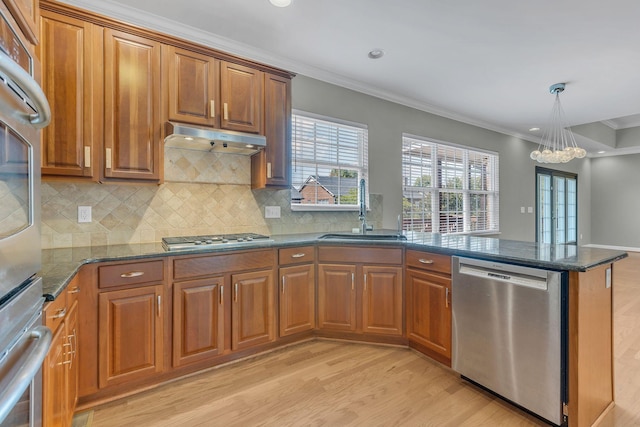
[
  {"x": 13, "y": 71},
  {"x": 27, "y": 369}
]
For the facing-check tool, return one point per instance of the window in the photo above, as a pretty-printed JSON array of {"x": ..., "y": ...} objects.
[
  {"x": 329, "y": 159},
  {"x": 448, "y": 188}
]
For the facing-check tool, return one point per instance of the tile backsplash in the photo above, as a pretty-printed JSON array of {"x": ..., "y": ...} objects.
[{"x": 203, "y": 193}]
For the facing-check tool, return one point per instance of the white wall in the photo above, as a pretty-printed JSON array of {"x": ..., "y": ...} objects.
[{"x": 387, "y": 121}]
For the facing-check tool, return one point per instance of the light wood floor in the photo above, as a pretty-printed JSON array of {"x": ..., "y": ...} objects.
[{"x": 326, "y": 383}]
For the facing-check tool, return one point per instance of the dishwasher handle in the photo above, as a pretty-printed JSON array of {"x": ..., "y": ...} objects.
[{"x": 494, "y": 273}]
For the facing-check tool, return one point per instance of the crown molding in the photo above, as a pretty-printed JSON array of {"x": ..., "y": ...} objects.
[{"x": 131, "y": 15}]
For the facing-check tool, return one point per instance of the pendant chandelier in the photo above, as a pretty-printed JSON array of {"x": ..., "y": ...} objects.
[{"x": 558, "y": 145}]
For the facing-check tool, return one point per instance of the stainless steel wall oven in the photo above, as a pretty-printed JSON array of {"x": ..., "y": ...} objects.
[{"x": 24, "y": 342}]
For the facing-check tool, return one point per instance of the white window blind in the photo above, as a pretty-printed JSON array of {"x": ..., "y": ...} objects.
[
  {"x": 447, "y": 188},
  {"x": 329, "y": 159}
]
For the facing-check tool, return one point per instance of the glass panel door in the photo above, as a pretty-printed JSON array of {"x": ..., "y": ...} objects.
[{"x": 556, "y": 207}]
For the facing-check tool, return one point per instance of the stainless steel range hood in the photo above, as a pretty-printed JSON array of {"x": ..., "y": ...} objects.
[{"x": 192, "y": 137}]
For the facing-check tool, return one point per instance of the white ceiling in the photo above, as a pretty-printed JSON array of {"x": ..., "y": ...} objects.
[{"x": 486, "y": 62}]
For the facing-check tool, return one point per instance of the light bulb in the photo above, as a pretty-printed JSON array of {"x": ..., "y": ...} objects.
[{"x": 280, "y": 3}]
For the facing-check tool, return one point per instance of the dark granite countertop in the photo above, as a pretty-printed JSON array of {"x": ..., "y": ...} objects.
[{"x": 60, "y": 265}]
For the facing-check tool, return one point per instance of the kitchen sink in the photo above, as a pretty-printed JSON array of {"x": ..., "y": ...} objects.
[{"x": 356, "y": 236}]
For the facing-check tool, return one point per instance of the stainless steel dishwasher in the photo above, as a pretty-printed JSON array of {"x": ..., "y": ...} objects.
[{"x": 509, "y": 333}]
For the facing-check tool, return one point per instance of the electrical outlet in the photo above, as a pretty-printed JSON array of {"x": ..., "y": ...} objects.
[
  {"x": 84, "y": 213},
  {"x": 521, "y": 209},
  {"x": 272, "y": 211},
  {"x": 530, "y": 209}
]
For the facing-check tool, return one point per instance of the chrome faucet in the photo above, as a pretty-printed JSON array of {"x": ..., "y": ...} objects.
[{"x": 363, "y": 209}]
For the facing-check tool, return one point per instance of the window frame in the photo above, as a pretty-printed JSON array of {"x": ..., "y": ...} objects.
[
  {"x": 432, "y": 194},
  {"x": 362, "y": 168}
]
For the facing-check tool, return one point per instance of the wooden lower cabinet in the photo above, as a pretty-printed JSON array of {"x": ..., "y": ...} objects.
[
  {"x": 364, "y": 297},
  {"x": 252, "y": 309},
  {"x": 336, "y": 297},
  {"x": 382, "y": 300},
  {"x": 429, "y": 313},
  {"x": 131, "y": 332},
  {"x": 60, "y": 368},
  {"x": 297, "y": 299},
  {"x": 198, "y": 320}
]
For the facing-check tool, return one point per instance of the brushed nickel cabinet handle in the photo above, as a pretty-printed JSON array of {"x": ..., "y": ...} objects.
[
  {"x": 87, "y": 156},
  {"x": 75, "y": 290},
  {"x": 365, "y": 283},
  {"x": 283, "y": 284},
  {"x": 60, "y": 313},
  {"x": 298, "y": 255},
  {"x": 235, "y": 296},
  {"x": 132, "y": 274},
  {"x": 212, "y": 113},
  {"x": 159, "y": 305},
  {"x": 269, "y": 173},
  {"x": 353, "y": 281},
  {"x": 107, "y": 158},
  {"x": 425, "y": 261},
  {"x": 225, "y": 109},
  {"x": 221, "y": 293},
  {"x": 446, "y": 298}
]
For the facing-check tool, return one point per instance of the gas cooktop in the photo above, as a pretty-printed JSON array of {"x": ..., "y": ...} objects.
[{"x": 190, "y": 242}]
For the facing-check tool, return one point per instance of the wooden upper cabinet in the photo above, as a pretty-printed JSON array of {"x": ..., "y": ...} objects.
[
  {"x": 132, "y": 145},
  {"x": 271, "y": 168},
  {"x": 25, "y": 12},
  {"x": 68, "y": 143},
  {"x": 193, "y": 86},
  {"x": 241, "y": 94}
]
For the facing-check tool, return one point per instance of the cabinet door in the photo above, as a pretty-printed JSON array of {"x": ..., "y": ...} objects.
[
  {"x": 241, "y": 92},
  {"x": 132, "y": 107},
  {"x": 429, "y": 312},
  {"x": 193, "y": 86},
  {"x": 66, "y": 56},
  {"x": 71, "y": 344},
  {"x": 54, "y": 381},
  {"x": 382, "y": 300},
  {"x": 272, "y": 166},
  {"x": 130, "y": 334},
  {"x": 336, "y": 297},
  {"x": 198, "y": 320},
  {"x": 25, "y": 12},
  {"x": 297, "y": 299},
  {"x": 252, "y": 312}
]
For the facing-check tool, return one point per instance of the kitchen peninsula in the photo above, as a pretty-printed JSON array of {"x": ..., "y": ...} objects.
[{"x": 120, "y": 280}]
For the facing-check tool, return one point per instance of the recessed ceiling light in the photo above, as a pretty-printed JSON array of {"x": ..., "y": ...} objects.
[
  {"x": 280, "y": 3},
  {"x": 534, "y": 129},
  {"x": 601, "y": 152},
  {"x": 376, "y": 53}
]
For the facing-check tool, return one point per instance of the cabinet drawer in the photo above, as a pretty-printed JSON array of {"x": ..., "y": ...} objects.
[
  {"x": 211, "y": 265},
  {"x": 358, "y": 254},
  {"x": 429, "y": 261},
  {"x": 130, "y": 274},
  {"x": 296, "y": 255},
  {"x": 55, "y": 311}
]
